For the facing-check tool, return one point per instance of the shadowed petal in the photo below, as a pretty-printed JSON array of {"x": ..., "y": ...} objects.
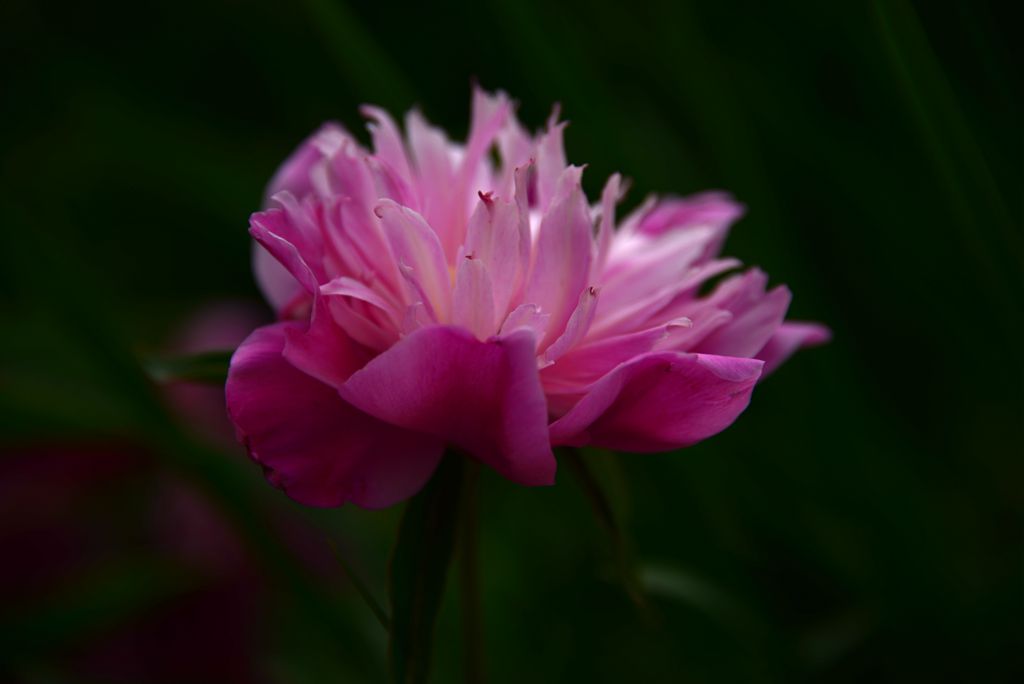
[
  {"x": 660, "y": 401},
  {"x": 755, "y": 315},
  {"x": 791, "y": 336},
  {"x": 294, "y": 175},
  {"x": 281, "y": 290},
  {"x": 367, "y": 316},
  {"x": 484, "y": 397},
  {"x": 321, "y": 349},
  {"x": 313, "y": 445}
]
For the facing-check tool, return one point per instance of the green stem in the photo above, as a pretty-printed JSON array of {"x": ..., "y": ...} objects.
[
  {"x": 361, "y": 588},
  {"x": 469, "y": 576},
  {"x": 419, "y": 568},
  {"x": 606, "y": 518}
]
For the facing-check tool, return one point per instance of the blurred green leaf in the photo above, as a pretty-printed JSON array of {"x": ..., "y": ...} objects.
[
  {"x": 208, "y": 367},
  {"x": 688, "y": 589},
  {"x": 419, "y": 568}
]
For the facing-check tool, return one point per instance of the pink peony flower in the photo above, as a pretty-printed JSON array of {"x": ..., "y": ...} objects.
[{"x": 430, "y": 296}]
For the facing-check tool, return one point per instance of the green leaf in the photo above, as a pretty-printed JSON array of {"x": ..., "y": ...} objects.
[
  {"x": 419, "y": 567},
  {"x": 208, "y": 367}
]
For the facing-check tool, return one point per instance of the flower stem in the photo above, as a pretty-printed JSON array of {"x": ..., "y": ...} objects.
[
  {"x": 419, "y": 568},
  {"x": 606, "y": 518},
  {"x": 469, "y": 576},
  {"x": 361, "y": 588}
]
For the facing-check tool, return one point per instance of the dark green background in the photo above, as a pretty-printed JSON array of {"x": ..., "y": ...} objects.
[{"x": 860, "y": 522}]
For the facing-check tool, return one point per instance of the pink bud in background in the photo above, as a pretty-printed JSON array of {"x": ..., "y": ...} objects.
[{"x": 430, "y": 297}]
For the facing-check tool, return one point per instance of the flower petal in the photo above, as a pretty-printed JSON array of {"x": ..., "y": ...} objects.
[
  {"x": 484, "y": 397},
  {"x": 388, "y": 148},
  {"x": 661, "y": 401},
  {"x": 788, "y": 338},
  {"x": 472, "y": 298},
  {"x": 755, "y": 315},
  {"x": 655, "y": 265},
  {"x": 515, "y": 147},
  {"x": 277, "y": 285},
  {"x": 294, "y": 175},
  {"x": 321, "y": 349},
  {"x": 440, "y": 203},
  {"x": 282, "y": 272},
  {"x": 550, "y": 157},
  {"x": 489, "y": 114},
  {"x": 717, "y": 210},
  {"x": 526, "y": 317},
  {"x": 610, "y": 196},
  {"x": 345, "y": 174},
  {"x": 417, "y": 248},
  {"x": 499, "y": 236},
  {"x": 671, "y": 301},
  {"x": 371, "y": 318},
  {"x": 563, "y": 255},
  {"x": 585, "y": 364},
  {"x": 313, "y": 445},
  {"x": 577, "y": 326}
]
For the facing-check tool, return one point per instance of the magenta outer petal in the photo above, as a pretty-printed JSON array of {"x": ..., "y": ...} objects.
[
  {"x": 320, "y": 349},
  {"x": 790, "y": 337},
  {"x": 316, "y": 447},
  {"x": 660, "y": 401},
  {"x": 484, "y": 397}
]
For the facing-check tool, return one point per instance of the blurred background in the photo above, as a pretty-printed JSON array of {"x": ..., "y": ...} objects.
[{"x": 860, "y": 522}]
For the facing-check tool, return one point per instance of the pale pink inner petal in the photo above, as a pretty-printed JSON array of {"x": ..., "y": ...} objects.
[
  {"x": 562, "y": 255},
  {"x": 473, "y": 298}
]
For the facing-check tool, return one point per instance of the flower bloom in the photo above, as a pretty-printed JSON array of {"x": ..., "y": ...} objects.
[{"x": 432, "y": 294}]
